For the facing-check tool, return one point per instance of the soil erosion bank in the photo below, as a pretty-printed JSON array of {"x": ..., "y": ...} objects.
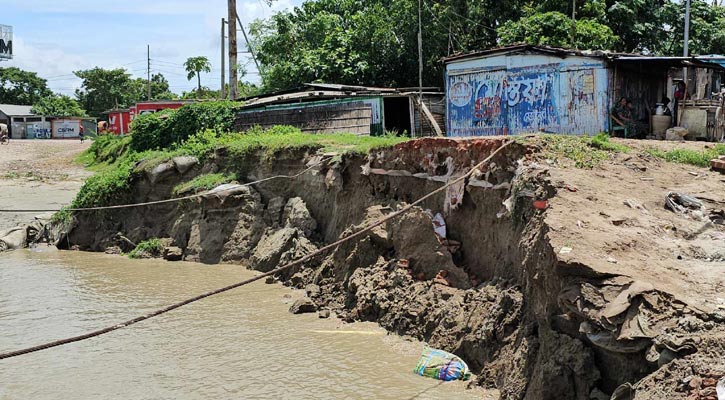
[{"x": 552, "y": 282}]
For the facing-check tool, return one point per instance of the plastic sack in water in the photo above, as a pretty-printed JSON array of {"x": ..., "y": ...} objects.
[{"x": 441, "y": 365}]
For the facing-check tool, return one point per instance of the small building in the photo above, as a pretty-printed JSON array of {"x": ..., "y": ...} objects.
[
  {"x": 524, "y": 88},
  {"x": 23, "y": 124},
  {"x": 330, "y": 108},
  {"x": 119, "y": 119}
]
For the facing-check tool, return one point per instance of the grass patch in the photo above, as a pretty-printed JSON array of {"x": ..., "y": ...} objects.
[
  {"x": 116, "y": 162},
  {"x": 63, "y": 216},
  {"x": 690, "y": 157},
  {"x": 601, "y": 141},
  {"x": 151, "y": 247},
  {"x": 204, "y": 182},
  {"x": 586, "y": 152}
]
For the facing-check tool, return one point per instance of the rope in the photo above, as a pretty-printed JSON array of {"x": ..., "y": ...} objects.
[
  {"x": 150, "y": 203},
  {"x": 258, "y": 277}
]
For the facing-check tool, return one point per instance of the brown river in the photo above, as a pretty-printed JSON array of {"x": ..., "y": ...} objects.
[{"x": 242, "y": 344}]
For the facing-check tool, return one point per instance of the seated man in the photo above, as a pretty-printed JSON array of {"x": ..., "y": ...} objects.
[{"x": 622, "y": 116}]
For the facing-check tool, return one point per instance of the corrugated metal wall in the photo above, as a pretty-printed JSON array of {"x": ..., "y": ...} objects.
[
  {"x": 359, "y": 116},
  {"x": 514, "y": 94},
  {"x": 437, "y": 106}
]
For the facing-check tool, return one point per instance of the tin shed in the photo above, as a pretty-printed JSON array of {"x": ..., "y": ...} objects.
[{"x": 524, "y": 88}]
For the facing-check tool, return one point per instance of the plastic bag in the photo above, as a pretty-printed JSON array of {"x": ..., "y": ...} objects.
[{"x": 441, "y": 365}]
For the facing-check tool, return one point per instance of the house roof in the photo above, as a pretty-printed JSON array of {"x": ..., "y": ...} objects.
[
  {"x": 621, "y": 58},
  {"x": 15, "y": 110}
]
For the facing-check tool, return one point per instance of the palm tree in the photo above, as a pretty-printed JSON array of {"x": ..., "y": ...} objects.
[{"x": 194, "y": 66}]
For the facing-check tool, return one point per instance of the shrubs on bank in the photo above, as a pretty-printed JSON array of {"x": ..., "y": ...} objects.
[{"x": 172, "y": 127}]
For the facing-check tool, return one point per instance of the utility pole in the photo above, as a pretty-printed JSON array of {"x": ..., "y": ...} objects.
[
  {"x": 685, "y": 51},
  {"x": 222, "y": 95},
  {"x": 420, "y": 51},
  {"x": 249, "y": 45},
  {"x": 232, "y": 25},
  {"x": 573, "y": 19},
  {"x": 148, "y": 72}
]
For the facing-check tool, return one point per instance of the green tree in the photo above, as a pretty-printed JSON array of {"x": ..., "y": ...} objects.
[
  {"x": 58, "y": 106},
  {"x": 195, "y": 66},
  {"x": 553, "y": 28},
  {"x": 21, "y": 87},
  {"x": 104, "y": 89},
  {"x": 159, "y": 88}
]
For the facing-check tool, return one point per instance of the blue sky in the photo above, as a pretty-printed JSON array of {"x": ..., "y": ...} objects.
[{"x": 56, "y": 37}]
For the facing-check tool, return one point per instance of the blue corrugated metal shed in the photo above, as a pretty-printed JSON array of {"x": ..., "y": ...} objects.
[{"x": 523, "y": 89}]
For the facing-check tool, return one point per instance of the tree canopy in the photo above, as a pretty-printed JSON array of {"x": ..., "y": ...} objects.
[
  {"x": 374, "y": 42},
  {"x": 21, "y": 87},
  {"x": 58, "y": 106}
]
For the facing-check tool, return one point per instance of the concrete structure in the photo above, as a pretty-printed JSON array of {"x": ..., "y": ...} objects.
[
  {"x": 523, "y": 88},
  {"x": 23, "y": 124},
  {"x": 329, "y": 108}
]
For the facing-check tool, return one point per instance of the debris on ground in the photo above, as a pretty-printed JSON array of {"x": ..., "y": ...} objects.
[{"x": 441, "y": 365}]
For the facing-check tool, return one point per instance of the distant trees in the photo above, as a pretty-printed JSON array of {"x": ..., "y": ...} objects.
[
  {"x": 195, "y": 66},
  {"x": 22, "y": 87},
  {"x": 374, "y": 42},
  {"x": 58, "y": 106}
]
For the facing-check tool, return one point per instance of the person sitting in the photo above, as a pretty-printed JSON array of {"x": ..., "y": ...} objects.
[{"x": 622, "y": 116}]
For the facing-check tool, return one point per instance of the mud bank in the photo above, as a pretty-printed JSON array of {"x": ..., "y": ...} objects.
[{"x": 500, "y": 289}]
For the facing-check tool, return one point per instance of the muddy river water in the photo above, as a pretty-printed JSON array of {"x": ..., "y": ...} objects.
[{"x": 240, "y": 344}]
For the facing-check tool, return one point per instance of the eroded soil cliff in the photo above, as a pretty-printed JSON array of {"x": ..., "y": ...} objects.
[{"x": 552, "y": 282}]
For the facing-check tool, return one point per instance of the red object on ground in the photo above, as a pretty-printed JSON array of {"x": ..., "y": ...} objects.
[
  {"x": 541, "y": 204},
  {"x": 718, "y": 165}
]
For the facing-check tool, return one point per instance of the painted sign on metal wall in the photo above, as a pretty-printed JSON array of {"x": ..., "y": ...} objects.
[
  {"x": 561, "y": 97},
  {"x": 37, "y": 130},
  {"x": 501, "y": 102},
  {"x": 65, "y": 128}
]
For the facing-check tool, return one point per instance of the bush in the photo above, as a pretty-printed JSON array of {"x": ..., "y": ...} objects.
[
  {"x": 107, "y": 187},
  {"x": 172, "y": 127},
  {"x": 148, "y": 248},
  {"x": 601, "y": 141},
  {"x": 109, "y": 148},
  {"x": 152, "y": 131}
]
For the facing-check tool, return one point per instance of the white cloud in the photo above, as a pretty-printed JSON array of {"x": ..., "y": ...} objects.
[
  {"x": 106, "y": 34},
  {"x": 48, "y": 62}
]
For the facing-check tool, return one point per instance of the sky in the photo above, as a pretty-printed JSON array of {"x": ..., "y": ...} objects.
[{"x": 56, "y": 37}]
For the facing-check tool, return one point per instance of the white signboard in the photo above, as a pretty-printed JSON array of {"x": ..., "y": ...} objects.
[
  {"x": 66, "y": 128},
  {"x": 6, "y": 42}
]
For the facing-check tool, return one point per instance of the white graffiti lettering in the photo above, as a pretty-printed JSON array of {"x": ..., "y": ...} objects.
[
  {"x": 527, "y": 90},
  {"x": 535, "y": 118}
]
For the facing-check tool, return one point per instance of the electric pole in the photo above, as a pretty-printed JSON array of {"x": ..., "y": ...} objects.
[
  {"x": 420, "y": 52},
  {"x": 222, "y": 95},
  {"x": 232, "y": 24},
  {"x": 573, "y": 19},
  {"x": 148, "y": 72},
  {"x": 685, "y": 51}
]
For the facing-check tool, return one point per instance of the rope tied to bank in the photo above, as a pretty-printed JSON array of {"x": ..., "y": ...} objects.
[
  {"x": 175, "y": 199},
  {"x": 275, "y": 271}
]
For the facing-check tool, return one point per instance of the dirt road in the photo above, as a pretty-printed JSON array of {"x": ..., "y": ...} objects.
[{"x": 38, "y": 174}]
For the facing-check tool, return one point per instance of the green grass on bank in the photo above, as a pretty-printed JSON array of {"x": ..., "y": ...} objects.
[
  {"x": 586, "y": 152},
  {"x": 690, "y": 157},
  {"x": 203, "y": 182},
  {"x": 152, "y": 247},
  {"x": 116, "y": 162}
]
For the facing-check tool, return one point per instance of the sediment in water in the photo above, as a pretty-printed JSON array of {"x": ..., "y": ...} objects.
[{"x": 527, "y": 321}]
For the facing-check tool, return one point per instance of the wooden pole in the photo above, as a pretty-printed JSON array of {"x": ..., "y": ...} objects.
[
  {"x": 148, "y": 72},
  {"x": 222, "y": 94},
  {"x": 232, "y": 19}
]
